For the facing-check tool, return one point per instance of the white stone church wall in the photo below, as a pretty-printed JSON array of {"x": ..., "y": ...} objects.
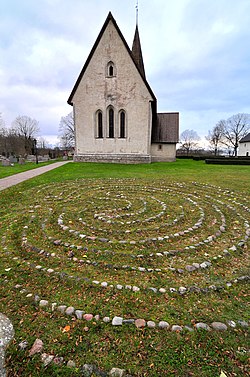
[
  {"x": 163, "y": 152},
  {"x": 125, "y": 91}
]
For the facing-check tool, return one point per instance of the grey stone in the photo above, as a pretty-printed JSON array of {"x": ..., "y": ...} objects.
[
  {"x": 71, "y": 364},
  {"x": 70, "y": 310},
  {"x": 58, "y": 360},
  {"x": 190, "y": 268},
  {"x": 219, "y": 326},
  {"x": 61, "y": 308},
  {"x": 36, "y": 298},
  {"x": 106, "y": 319},
  {"x": 203, "y": 265},
  {"x": 180, "y": 270},
  {"x": 151, "y": 324},
  {"x": 135, "y": 289},
  {"x": 162, "y": 290},
  {"x": 116, "y": 372},
  {"x": 24, "y": 344},
  {"x": 140, "y": 323},
  {"x": 78, "y": 314},
  {"x": 172, "y": 290},
  {"x": 243, "y": 323},
  {"x": 202, "y": 326},
  {"x": 103, "y": 240},
  {"x": 46, "y": 359},
  {"x": 87, "y": 370},
  {"x": 128, "y": 321},
  {"x": 153, "y": 289},
  {"x": 117, "y": 321},
  {"x": 182, "y": 290},
  {"x": 43, "y": 303},
  {"x": 36, "y": 348},
  {"x": 6, "y": 335},
  {"x": 196, "y": 265},
  {"x": 163, "y": 325},
  {"x": 176, "y": 328},
  {"x": 231, "y": 324},
  {"x": 53, "y": 306}
]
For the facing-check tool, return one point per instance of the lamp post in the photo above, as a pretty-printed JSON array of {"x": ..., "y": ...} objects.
[{"x": 35, "y": 147}]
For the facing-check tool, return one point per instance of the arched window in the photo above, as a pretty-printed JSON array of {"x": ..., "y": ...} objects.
[
  {"x": 111, "y": 69},
  {"x": 99, "y": 125},
  {"x": 111, "y": 122},
  {"x": 122, "y": 124}
]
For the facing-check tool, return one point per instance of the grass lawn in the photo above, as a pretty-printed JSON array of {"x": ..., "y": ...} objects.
[
  {"x": 6, "y": 171},
  {"x": 160, "y": 242}
]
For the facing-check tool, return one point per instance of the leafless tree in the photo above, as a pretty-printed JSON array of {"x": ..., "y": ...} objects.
[
  {"x": 67, "y": 131},
  {"x": 3, "y": 137},
  {"x": 215, "y": 137},
  {"x": 234, "y": 129},
  {"x": 2, "y": 122},
  {"x": 189, "y": 140},
  {"x": 27, "y": 128}
]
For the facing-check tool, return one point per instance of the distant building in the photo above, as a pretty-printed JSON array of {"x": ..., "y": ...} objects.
[
  {"x": 244, "y": 146},
  {"x": 115, "y": 110}
]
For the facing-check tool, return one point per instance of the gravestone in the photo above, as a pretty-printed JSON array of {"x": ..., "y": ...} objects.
[
  {"x": 12, "y": 159},
  {"x": 6, "y": 335},
  {"x": 6, "y": 162},
  {"x": 21, "y": 161}
]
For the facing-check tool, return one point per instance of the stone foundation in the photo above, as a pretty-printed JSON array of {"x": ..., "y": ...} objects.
[{"x": 114, "y": 158}]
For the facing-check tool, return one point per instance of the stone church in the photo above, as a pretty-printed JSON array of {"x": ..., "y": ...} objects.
[{"x": 115, "y": 109}]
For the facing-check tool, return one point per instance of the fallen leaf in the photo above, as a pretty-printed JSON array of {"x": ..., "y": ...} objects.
[{"x": 66, "y": 329}]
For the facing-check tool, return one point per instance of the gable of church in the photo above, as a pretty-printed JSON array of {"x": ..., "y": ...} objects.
[{"x": 115, "y": 109}]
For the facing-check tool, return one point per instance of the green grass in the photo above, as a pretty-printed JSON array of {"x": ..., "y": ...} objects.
[
  {"x": 101, "y": 201},
  {"x": 6, "y": 171}
]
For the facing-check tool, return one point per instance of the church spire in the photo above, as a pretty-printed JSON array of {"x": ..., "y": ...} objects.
[{"x": 136, "y": 48}]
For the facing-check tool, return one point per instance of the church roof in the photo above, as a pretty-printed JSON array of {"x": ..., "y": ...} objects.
[
  {"x": 110, "y": 18},
  {"x": 137, "y": 52},
  {"x": 245, "y": 139},
  {"x": 166, "y": 129}
]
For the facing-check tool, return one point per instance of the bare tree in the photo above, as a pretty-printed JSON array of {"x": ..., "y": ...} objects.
[
  {"x": 27, "y": 129},
  {"x": 2, "y": 122},
  {"x": 215, "y": 137},
  {"x": 234, "y": 129},
  {"x": 189, "y": 140},
  {"x": 67, "y": 131},
  {"x": 42, "y": 143},
  {"x": 3, "y": 137}
]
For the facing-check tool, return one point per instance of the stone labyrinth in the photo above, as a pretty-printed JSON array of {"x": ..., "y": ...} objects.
[{"x": 128, "y": 238}]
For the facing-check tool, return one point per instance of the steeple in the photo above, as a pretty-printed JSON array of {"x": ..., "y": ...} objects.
[{"x": 136, "y": 48}]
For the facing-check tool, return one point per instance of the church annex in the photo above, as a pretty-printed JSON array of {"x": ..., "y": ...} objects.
[{"x": 115, "y": 110}]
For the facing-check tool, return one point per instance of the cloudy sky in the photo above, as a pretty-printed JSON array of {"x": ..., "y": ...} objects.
[{"x": 196, "y": 55}]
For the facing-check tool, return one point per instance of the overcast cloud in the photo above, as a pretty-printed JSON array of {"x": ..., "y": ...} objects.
[{"x": 196, "y": 55}]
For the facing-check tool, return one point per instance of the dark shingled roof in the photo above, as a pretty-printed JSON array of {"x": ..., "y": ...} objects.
[
  {"x": 245, "y": 139},
  {"x": 109, "y": 18},
  {"x": 166, "y": 129},
  {"x": 137, "y": 52}
]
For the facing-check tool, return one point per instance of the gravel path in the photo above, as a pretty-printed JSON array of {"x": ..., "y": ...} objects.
[{"x": 21, "y": 177}]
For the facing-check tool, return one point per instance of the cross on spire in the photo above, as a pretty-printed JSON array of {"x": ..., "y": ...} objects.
[{"x": 137, "y": 11}]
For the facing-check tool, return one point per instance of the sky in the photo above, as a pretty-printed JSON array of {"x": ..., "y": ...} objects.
[{"x": 196, "y": 55}]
